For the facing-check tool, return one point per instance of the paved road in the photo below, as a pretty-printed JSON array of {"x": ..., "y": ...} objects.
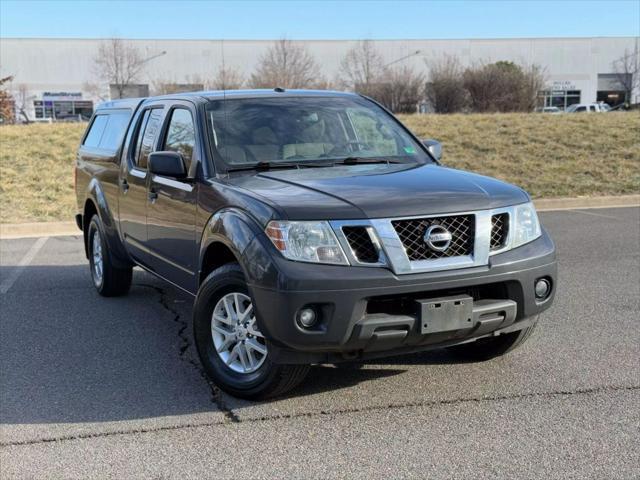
[{"x": 93, "y": 387}]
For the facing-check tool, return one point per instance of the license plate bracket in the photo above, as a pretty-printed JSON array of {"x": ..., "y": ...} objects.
[{"x": 445, "y": 314}]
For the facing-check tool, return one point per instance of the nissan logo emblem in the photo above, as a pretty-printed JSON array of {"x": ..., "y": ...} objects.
[{"x": 437, "y": 238}]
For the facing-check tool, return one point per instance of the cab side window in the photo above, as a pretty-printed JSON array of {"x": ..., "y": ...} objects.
[
  {"x": 107, "y": 130},
  {"x": 181, "y": 135},
  {"x": 95, "y": 131}
]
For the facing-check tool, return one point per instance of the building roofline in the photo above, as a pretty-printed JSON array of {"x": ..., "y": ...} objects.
[{"x": 318, "y": 40}]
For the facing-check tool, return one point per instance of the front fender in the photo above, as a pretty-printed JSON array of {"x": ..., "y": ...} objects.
[{"x": 233, "y": 228}]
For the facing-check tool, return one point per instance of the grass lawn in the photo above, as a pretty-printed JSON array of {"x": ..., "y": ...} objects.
[{"x": 548, "y": 155}]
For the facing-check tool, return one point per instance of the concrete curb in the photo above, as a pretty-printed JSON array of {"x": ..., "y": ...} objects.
[
  {"x": 38, "y": 229},
  {"x": 573, "y": 203},
  {"x": 53, "y": 229}
]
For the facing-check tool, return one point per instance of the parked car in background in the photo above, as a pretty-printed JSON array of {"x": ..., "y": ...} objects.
[
  {"x": 588, "y": 108},
  {"x": 309, "y": 227},
  {"x": 552, "y": 110}
]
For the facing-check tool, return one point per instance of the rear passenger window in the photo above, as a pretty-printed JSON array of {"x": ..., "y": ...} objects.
[
  {"x": 114, "y": 131},
  {"x": 181, "y": 135},
  {"x": 95, "y": 131},
  {"x": 140, "y": 134},
  {"x": 148, "y": 137}
]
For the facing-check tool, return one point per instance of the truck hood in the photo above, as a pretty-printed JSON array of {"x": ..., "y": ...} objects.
[{"x": 377, "y": 191}]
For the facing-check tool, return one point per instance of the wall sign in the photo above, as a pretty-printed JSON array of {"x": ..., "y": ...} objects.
[
  {"x": 563, "y": 85},
  {"x": 61, "y": 96}
]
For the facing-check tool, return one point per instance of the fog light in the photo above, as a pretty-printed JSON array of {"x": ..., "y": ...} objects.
[
  {"x": 307, "y": 317},
  {"x": 543, "y": 287}
]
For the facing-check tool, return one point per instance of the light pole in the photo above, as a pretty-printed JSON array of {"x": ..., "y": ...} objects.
[
  {"x": 152, "y": 57},
  {"x": 417, "y": 52},
  {"x": 384, "y": 67}
]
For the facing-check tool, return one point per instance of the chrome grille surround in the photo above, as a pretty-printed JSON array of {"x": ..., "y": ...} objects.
[
  {"x": 499, "y": 230},
  {"x": 361, "y": 243},
  {"x": 393, "y": 254}
]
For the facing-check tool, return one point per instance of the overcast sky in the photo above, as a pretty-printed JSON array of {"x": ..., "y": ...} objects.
[{"x": 319, "y": 20}]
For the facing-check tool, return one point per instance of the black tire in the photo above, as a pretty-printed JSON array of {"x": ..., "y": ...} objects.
[
  {"x": 269, "y": 380},
  {"x": 491, "y": 347},
  {"x": 114, "y": 281}
]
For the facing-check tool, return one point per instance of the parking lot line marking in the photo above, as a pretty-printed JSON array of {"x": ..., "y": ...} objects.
[
  {"x": 596, "y": 214},
  {"x": 8, "y": 282}
]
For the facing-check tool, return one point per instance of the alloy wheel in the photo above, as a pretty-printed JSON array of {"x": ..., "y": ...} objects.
[
  {"x": 236, "y": 338},
  {"x": 98, "y": 266}
]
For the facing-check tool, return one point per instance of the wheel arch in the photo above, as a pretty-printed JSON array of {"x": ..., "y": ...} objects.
[
  {"x": 224, "y": 240},
  {"x": 96, "y": 204}
]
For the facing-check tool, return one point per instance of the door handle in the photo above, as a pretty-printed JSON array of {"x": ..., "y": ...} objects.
[
  {"x": 125, "y": 185},
  {"x": 153, "y": 195}
]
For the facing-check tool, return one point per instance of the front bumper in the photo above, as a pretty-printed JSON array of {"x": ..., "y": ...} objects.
[{"x": 366, "y": 312}]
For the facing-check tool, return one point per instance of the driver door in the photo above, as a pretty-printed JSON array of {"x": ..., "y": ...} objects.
[{"x": 171, "y": 202}]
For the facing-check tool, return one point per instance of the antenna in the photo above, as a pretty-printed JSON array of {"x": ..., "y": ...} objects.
[
  {"x": 224, "y": 72},
  {"x": 224, "y": 95}
]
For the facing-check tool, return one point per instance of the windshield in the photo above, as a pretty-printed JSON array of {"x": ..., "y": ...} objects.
[{"x": 295, "y": 130}]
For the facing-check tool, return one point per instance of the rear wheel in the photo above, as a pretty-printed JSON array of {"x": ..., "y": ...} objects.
[
  {"x": 109, "y": 280},
  {"x": 232, "y": 349},
  {"x": 491, "y": 347}
]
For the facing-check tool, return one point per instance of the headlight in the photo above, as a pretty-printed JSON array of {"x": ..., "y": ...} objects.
[
  {"x": 526, "y": 226},
  {"x": 306, "y": 242}
]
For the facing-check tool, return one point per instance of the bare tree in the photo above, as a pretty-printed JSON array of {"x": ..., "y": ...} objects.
[
  {"x": 167, "y": 86},
  {"x": 503, "y": 87},
  {"x": 401, "y": 89},
  {"x": 627, "y": 71},
  {"x": 228, "y": 78},
  {"x": 533, "y": 82},
  {"x": 119, "y": 63},
  {"x": 96, "y": 90},
  {"x": 445, "y": 90},
  {"x": 7, "y": 102},
  {"x": 287, "y": 65},
  {"x": 362, "y": 69}
]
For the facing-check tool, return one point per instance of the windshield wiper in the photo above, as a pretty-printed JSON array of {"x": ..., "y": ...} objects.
[
  {"x": 364, "y": 160},
  {"x": 262, "y": 166}
]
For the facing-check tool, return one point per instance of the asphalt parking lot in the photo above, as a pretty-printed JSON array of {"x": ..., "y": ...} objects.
[{"x": 93, "y": 387}]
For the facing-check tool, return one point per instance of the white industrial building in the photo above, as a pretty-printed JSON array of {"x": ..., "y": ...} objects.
[{"x": 55, "y": 77}]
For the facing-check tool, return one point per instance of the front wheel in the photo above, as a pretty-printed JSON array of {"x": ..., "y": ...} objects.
[
  {"x": 232, "y": 349},
  {"x": 491, "y": 347}
]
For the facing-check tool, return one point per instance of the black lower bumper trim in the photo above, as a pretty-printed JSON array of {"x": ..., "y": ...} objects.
[
  {"x": 387, "y": 332},
  {"x": 281, "y": 355}
]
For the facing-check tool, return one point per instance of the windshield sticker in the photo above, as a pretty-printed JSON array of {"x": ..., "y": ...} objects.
[{"x": 410, "y": 150}]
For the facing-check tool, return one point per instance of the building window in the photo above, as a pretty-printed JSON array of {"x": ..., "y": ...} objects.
[
  {"x": 64, "y": 109},
  {"x": 559, "y": 98},
  {"x": 611, "y": 97},
  {"x": 611, "y": 88}
]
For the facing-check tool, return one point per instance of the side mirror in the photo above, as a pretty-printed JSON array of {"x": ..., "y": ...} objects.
[
  {"x": 434, "y": 147},
  {"x": 167, "y": 164}
]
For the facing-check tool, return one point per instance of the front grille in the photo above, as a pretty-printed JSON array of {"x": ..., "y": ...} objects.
[
  {"x": 360, "y": 242},
  {"x": 499, "y": 230},
  {"x": 411, "y": 233}
]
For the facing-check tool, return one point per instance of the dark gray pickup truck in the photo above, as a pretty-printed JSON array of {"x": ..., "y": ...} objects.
[{"x": 310, "y": 227}]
